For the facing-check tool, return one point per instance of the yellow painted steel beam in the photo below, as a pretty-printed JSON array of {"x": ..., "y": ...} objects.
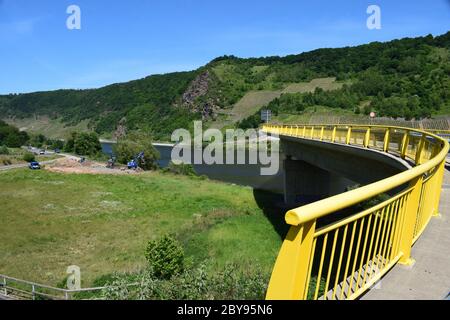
[{"x": 395, "y": 223}]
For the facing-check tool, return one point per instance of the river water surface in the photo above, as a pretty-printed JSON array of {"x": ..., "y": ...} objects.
[{"x": 247, "y": 174}]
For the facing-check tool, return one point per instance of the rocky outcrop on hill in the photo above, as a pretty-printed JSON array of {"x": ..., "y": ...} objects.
[
  {"x": 192, "y": 98},
  {"x": 197, "y": 88},
  {"x": 121, "y": 129}
]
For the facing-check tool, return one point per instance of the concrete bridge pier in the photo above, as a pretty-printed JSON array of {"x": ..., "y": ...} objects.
[
  {"x": 304, "y": 182},
  {"x": 314, "y": 170}
]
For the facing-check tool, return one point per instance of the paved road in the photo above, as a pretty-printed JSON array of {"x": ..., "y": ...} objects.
[
  {"x": 25, "y": 165},
  {"x": 429, "y": 277}
]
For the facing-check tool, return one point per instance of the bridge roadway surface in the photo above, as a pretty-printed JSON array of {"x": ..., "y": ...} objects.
[{"x": 429, "y": 277}]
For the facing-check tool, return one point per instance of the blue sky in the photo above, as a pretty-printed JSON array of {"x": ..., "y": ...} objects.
[{"x": 125, "y": 40}]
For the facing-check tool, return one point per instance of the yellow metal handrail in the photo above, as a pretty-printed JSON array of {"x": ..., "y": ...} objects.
[{"x": 337, "y": 248}]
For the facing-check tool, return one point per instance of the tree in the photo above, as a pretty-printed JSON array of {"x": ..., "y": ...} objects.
[
  {"x": 11, "y": 136},
  {"x": 28, "y": 157},
  {"x": 38, "y": 140},
  {"x": 84, "y": 144},
  {"x": 56, "y": 144},
  {"x": 134, "y": 143}
]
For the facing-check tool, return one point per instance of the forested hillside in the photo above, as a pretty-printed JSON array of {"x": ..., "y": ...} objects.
[{"x": 407, "y": 78}]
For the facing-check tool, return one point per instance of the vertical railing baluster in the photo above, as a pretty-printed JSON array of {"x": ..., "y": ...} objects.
[
  {"x": 333, "y": 135},
  {"x": 367, "y": 138},
  {"x": 340, "y": 262},
  {"x": 405, "y": 143},
  {"x": 4, "y": 285},
  {"x": 387, "y": 138},
  {"x": 349, "y": 134},
  {"x": 330, "y": 264}
]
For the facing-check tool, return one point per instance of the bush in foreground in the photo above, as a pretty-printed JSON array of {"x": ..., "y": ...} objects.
[
  {"x": 194, "y": 283},
  {"x": 169, "y": 277},
  {"x": 165, "y": 257}
]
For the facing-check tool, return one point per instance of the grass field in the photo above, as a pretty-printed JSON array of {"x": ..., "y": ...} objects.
[{"x": 102, "y": 223}]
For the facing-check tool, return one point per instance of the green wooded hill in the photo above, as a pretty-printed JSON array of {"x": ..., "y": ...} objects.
[{"x": 407, "y": 78}]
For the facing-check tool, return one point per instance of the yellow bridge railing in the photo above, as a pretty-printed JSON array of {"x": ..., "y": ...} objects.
[{"x": 339, "y": 247}]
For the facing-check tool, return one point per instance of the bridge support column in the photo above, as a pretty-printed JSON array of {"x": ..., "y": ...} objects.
[{"x": 304, "y": 182}]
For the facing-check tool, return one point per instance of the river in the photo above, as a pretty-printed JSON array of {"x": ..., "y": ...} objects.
[{"x": 248, "y": 175}]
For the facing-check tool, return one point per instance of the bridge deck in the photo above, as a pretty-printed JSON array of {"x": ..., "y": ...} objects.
[{"x": 429, "y": 277}]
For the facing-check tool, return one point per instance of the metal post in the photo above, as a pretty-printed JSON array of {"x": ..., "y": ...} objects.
[
  {"x": 438, "y": 188},
  {"x": 367, "y": 138},
  {"x": 349, "y": 134},
  {"x": 333, "y": 135},
  {"x": 387, "y": 138},
  {"x": 419, "y": 151},
  {"x": 409, "y": 221},
  {"x": 405, "y": 143},
  {"x": 290, "y": 275}
]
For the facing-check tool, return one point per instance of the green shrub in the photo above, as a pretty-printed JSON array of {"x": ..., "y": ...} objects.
[
  {"x": 165, "y": 257},
  {"x": 194, "y": 283},
  {"x": 4, "y": 150},
  {"x": 29, "y": 157},
  {"x": 83, "y": 144},
  {"x": 133, "y": 144},
  {"x": 119, "y": 289},
  {"x": 182, "y": 169}
]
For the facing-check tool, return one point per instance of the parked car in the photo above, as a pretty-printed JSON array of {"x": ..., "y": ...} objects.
[
  {"x": 34, "y": 165},
  {"x": 42, "y": 152},
  {"x": 57, "y": 151}
]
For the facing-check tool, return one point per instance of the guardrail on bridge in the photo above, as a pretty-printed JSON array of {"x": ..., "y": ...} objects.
[{"x": 330, "y": 253}]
